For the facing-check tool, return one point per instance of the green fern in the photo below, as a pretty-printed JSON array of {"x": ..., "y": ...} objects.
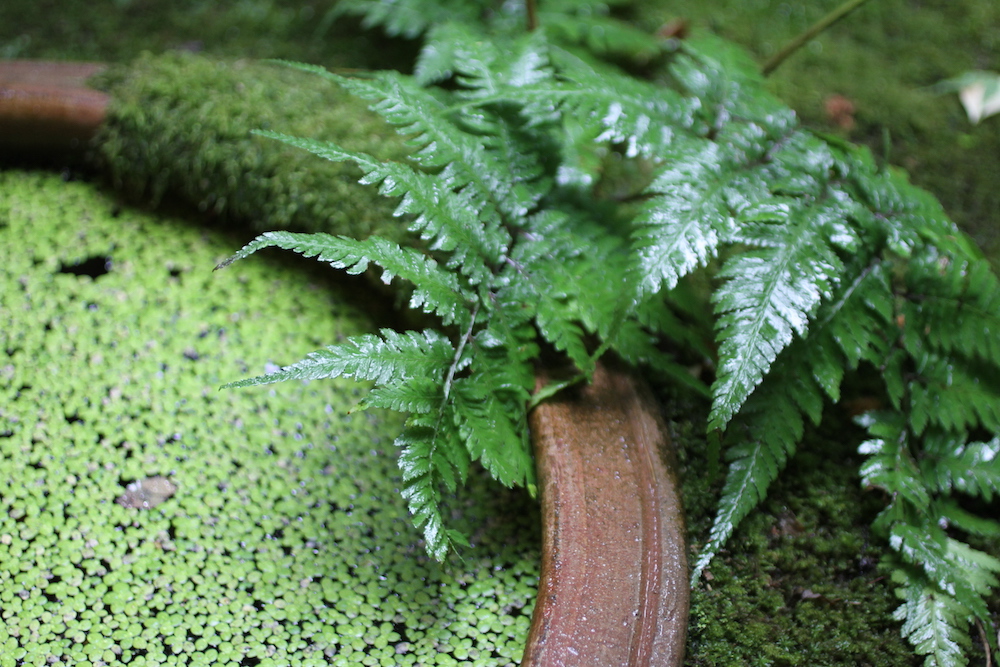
[{"x": 823, "y": 262}]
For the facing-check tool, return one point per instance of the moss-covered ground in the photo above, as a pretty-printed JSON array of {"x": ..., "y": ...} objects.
[{"x": 285, "y": 542}]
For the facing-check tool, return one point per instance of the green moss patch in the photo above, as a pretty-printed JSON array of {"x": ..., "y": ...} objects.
[
  {"x": 120, "y": 30},
  {"x": 180, "y": 125},
  {"x": 799, "y": 583},
  {"x": 277, "y": 535}
]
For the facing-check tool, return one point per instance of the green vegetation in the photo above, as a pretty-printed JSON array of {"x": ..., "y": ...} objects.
[
  {"x": 285, "y": 542},
  {"x": 823, "y": 262},
  {"x": 882, "y": 59},
  {"x": 799, "y": 582},
  {"x": 180, "y": 125}
]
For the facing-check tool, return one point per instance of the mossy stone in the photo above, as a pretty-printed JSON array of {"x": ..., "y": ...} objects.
[{"x": 180, "y": 126}]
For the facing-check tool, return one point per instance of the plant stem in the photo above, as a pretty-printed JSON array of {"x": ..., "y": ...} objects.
[
  {"x": 532, "y": 9},
  {"x": 815, "y": 29}
]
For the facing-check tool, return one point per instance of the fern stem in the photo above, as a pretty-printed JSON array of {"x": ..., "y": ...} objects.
[
  {"x": 458, "y": 353},
  {"x": 807, "y": 35}
]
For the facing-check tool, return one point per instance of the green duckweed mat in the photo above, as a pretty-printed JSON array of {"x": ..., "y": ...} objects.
[{"x": 148, "y": 518}]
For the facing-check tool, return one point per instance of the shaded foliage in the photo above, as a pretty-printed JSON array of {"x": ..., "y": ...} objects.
[{"x": 821, "y": 262}]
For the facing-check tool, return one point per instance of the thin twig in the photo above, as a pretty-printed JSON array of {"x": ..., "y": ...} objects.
[
  {"x": 818, "y": 27},
  {"x": 532, "y": 8}
]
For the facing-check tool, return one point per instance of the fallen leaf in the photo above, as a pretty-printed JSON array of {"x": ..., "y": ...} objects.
[
  {"x": 147, "y": 493},
  {"x": 979, "y": 92}
]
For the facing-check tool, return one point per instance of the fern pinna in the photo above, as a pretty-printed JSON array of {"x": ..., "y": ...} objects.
[{"x": 821, "y": 259}]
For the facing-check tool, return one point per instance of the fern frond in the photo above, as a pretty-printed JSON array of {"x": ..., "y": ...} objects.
[
  {"x": 952, "y": 515},
  {"x": 431, "y": 458},
  {"x": 483, "y": 70},
  {"x": 436, "y": 290},
  {"x": 600, "y": 34},
  {"x": 771, "y": 292},
  {"x": 972, "y": 468},
  {"x": 766, "y": 434},
  {"x": 494, "y": 431},
  {"x": 442, "y": 144},
  {"x": 391, "y": 357},
  {"x": 933, "y": 621},
  {"x": 728, "y": 85},
  {"x": 683, "y": 225},
  {"x": 914, "y": 519},
  {"x": 767, "y": 430},
  {"x": 953, "y": 567},
  {"x": 857, "y": 316},
  {"x": 644, "y": 118},
  {"x": 414, "y": 394},
  {"x": 905, "y": 215},
  {"x": 447, "y": 221},
  {"x": 957, "y": 304},
  {"x": 410, "y": 18},
  {"x": 955, "y": 393},
  {"x": 891, "y": 465}
]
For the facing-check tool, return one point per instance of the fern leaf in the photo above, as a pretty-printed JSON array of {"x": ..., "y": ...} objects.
[
  {"x": 410, "y": 18},
  {"x": 441, "y": 143},
  {"x": 494, "y": 431},
  {"x": 890, "y": 465},
  {"x": 683, "y": 225},
  {"x": 415, "y": 394},
  {"x": 752, "y": 468},
  {"x": 486, "y": 72},
  {"x": 486, "y": 68},
  {"x": 394, "y": 356},
  {"x": 601, "y": 35},
  {"x": 446, "y": 220},
  {"x": 644, "y": 118},
  {"x": 933, "y": 622},
  {"x": 766, "y": 433},
  {"x": 951, "y": 514},
  {"x": 770, "y": 293},
  {"x": 954, "y": 393},
  {"x": 906, "y": 215},
  {"x": 728, "y": 85},
  {"x": 972, "y": 468},
  {"x": 431, "y": 457},
  {"x": 436, "y": 289},
  {"x": 858, "y": 314},
  {"x": 957, "y": 302},
  {"x": 954, "y": 568}
]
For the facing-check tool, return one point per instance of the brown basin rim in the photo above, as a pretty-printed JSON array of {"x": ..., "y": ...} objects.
[
  {"x": 47, "y": 106},
  {"x": 614, "y": 581}
]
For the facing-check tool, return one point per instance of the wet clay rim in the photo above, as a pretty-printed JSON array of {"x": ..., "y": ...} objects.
[
  {"x": 613, "y": 588},
  {"x": 614, "y": 581},
  {"x": 46, "y": 106}
]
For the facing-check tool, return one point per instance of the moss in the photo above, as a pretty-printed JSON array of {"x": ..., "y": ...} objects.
[
  {"x": 180, "y": 125},
  {"x": 285, "y": 540},
  {"x": 799, "y": 583},
  {"x": 121, "y": 30}
]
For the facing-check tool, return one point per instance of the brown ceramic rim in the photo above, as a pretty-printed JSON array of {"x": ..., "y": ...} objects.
[
  {"x": 614, "y": 579},
  {"x": 46, "y": 106}
]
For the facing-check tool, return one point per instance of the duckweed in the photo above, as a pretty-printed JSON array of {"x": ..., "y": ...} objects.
[{"x": 284, "y": 541}]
